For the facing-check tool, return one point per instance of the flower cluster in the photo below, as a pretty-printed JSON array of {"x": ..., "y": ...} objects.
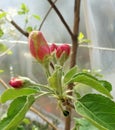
[
  {"x": 44, "y": 54},
  {"x": 60, "y": 50},
  {"x": 41, "y": 51}
]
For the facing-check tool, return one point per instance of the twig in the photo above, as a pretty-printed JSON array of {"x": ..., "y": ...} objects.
[
  {"x": 61, "y": 17},
  {"x": 4, "y": 84},
  {"x": 42, "y": 116},
  {"x": 46, "y": 16},
  {"x": 75, "y": 32},
  {"x": 16, "y": 25},
  {"x": 19, "y": 28}
]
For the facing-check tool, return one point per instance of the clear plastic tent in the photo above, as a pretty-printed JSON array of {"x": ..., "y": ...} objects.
[
  {"x": 97, "y": 23},
  {"x": 100, "y": 27}
]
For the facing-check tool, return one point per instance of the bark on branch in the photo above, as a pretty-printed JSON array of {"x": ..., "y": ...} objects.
[
  {"x": 61, "y": 17},
  {"x": 74, "y": 54}
]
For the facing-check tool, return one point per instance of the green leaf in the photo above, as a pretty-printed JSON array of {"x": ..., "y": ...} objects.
[
  {"x": 97, "y": 109},
  {"x": 1, "y": 32},
  {"x": 92, "y": 82},
  {"x": 36, "y": 17},
  {"x": 2, "y": 14},
  {"x": 94, "y": 72},
  {"x": 11, "y": 94},
  {"x": 70, "y": 74},
  {"x": 26, "y": 121},
  {"x": 3, "y": 47},
  {"x": 85, "y": 41},
  {"x": 21, "y": 12},
  {"x": 23, "y": 9},
  {"x": 80, "y": 36},
  {"x": 84, "y": 124},
  {"x": 1, "y": 71},
  {"x": 106, "y": 84},
  {"x": 29, "y": 29},
  {"x": 9, "y": 52},
  {"x": 16, "y": 112}
]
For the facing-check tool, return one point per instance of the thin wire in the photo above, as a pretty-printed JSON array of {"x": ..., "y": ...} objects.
[
  {"x": 13, "y": 41},
  {"x": 98, "y": 48}
]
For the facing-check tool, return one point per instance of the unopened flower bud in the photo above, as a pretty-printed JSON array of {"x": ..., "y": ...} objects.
[
  {"x": 62, "y": 53},
  {"x": 63, "y": 49},
  {"x": 53, "y": 47},
  {"x": 16, "y": 82},
  {"x": 38, "y": 46},
  {"x": 19, "y": 82}
]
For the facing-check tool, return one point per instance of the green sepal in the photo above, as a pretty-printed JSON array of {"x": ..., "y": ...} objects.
[
  {"x": 55, "y": 80},
  {"x": 63, "y": 58}
]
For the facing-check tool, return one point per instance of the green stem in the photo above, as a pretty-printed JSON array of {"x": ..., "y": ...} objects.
[
  {"x": 49, "y": 89},
  {"x": 46, "y": 66},
  {"x": 48, "y": 72},
  {"x": 60, "y": 106},
  {"x": 42, "y": 94}
]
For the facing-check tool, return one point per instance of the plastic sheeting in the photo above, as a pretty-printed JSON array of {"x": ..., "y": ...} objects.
[{"x": 99, "y": 25}]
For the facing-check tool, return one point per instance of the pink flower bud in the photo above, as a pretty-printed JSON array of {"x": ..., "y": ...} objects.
[
  {"x": 63, "y": 49},
  {"x": 53, "y": 47},
  {"x": 38, "y": 46},
  {"x": 16, "y": 82}
]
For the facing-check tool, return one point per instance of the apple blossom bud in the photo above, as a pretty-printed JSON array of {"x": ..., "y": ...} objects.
[
  {"x": 53, "y": 47},
  {"x": 19, "y": 82},
  {"x": 65, "y": 48},
  {"x": 16, "y": 82},
  {"x": 38, "y": 46}
]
